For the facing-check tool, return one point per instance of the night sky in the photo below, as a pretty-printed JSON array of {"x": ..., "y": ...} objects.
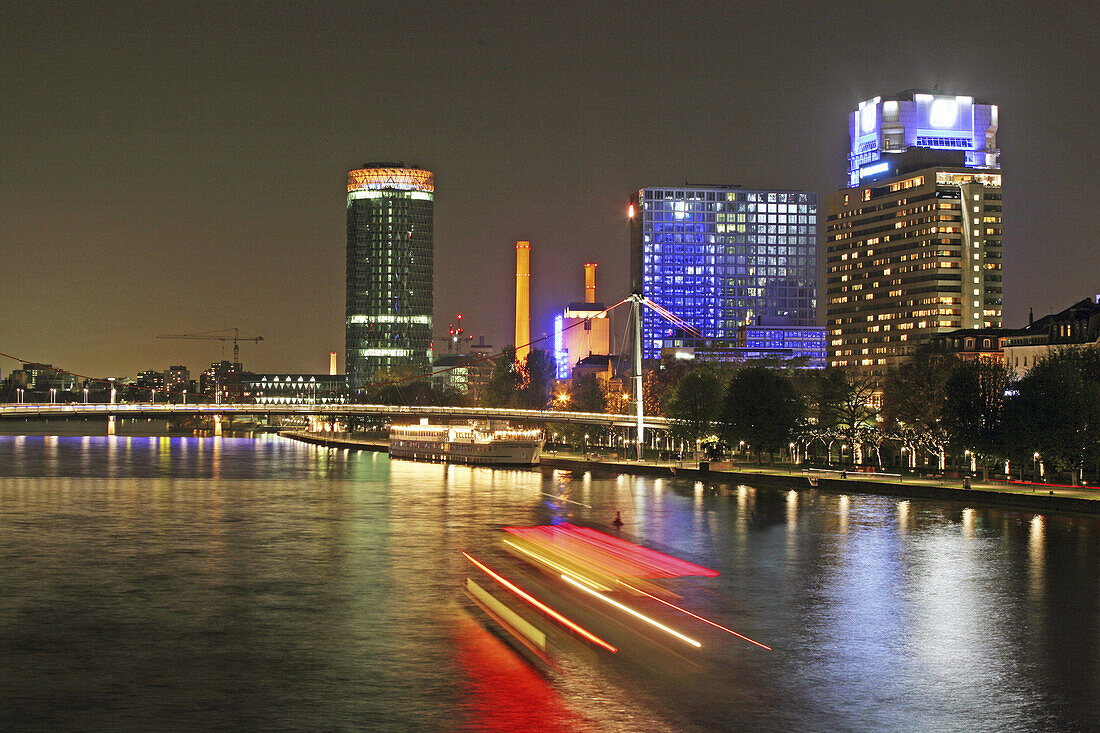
[{"x": 175, "y": 168}]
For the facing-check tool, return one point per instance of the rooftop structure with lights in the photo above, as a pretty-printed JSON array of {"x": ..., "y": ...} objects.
[
  {"x": 720, "y": 257},
  {"x": 883, "y": 127},
  {"x": 389, "y": 270},
  {"x": 913, "y": 242}
]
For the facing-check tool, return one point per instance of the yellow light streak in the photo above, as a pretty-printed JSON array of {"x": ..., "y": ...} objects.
[
  {"x": 559, "y": 568},
  {"x": 634, "y": 613}
]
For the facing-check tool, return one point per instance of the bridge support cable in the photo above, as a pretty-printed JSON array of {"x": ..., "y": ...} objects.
[{"x": 637, "y": 301}]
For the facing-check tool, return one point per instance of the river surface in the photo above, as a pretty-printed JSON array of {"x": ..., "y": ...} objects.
[{"x": 232, "y": 583}]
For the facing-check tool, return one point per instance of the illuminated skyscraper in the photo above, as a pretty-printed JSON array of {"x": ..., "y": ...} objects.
[
  {"x": 913, "y": 243},
  {"x": 721, "y": 257},
  {"x": 389, "y": 270}
]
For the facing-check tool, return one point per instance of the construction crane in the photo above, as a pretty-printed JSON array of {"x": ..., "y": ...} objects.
[{"x": 210, "y": 336}]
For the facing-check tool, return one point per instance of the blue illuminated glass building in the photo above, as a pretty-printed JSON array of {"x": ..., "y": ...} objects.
[{"x": 722, "y": 257}]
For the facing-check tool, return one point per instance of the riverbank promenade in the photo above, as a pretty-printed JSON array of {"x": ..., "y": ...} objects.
[{"x": 1047, "y": 497}]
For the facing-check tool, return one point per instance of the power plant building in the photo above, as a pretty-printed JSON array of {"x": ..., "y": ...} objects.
[
  {"x": 913, "y": 243},
  {"x": 582, "y": 330},
  {"x": 389, "y": 270},
  {"x": 722, "y": 257}
]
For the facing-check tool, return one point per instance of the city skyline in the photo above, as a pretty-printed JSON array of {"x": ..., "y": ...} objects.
[{"x": 172, "y": 171}]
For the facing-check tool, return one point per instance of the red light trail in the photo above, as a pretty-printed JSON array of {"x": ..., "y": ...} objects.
[{"x": 542, "y": 606}]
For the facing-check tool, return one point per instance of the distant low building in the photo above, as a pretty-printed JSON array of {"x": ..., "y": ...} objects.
[
  {"x": 41, "y": 377},
  {"x": 601, "y": 365},
  {"x": 222, "y": 381},
  {"x": 451, "y": 371},
  {"x": 177, "y": 378},
  {"x": 150, "y": 379},
  {"x": 971, "y": 344},
  {"x": 1075, "y": 327},
  {"x": 293, "y": 389},
  {"x": 463, "y": 373},
  {"x": 783, "y": 343}
]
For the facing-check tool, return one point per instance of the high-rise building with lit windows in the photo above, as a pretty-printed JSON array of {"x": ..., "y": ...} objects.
[
  {"x": 913, "y": 242},
  {"x": 389, "y": 270},
  {"x": 720, "y": 258}
]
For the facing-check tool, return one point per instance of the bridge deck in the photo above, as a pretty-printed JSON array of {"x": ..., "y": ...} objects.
[{"x": 147, "y": 410}]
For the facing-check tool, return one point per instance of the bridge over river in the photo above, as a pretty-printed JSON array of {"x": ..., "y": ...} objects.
[{"x": 400, "y": 413}]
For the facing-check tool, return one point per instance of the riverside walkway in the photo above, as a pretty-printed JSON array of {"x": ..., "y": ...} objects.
[
  {"x": 1032, "y": 495},
  {"x": 1045, "y": 497}
]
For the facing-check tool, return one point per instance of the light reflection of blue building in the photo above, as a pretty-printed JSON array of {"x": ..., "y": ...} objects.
[
  {"x": 720, "y": 257},
  {"x": 884, "y": 126}
]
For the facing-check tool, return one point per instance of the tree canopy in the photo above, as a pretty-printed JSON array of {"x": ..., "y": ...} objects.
[
  {"x": 973, "y": 405},
  {"x": 505, "y": 380},
  {"x": 536, "y": 380},
  {"x": 762, "y": 408},
  {"x": 695, "y": 404},
  {"x": 1056, "y": 411},
  {"x": 914, "y": 394}
]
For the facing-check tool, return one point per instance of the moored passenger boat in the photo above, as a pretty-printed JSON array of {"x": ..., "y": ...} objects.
[{"x": 466, "y": 444}]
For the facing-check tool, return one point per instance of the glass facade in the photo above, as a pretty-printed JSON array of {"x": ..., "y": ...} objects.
[
  {"x": 389, "y": 271},
  {"x": 799, "y": 342},
  {"x": 720, "y": 257}
]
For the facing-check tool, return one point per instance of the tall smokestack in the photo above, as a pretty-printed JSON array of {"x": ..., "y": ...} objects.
[
  {"x": 590, "y": 282},
  {"x": 332, "y": 363},
  {"x": 523, "y": 299}
]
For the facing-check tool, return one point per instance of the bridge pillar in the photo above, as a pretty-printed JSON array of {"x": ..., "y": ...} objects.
[
  {"x": 111, "y": 425},
  {"x": 217, "y": 426}
]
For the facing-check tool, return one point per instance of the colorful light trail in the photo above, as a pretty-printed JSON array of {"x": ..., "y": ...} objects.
[{"x": 542, "y": 606}]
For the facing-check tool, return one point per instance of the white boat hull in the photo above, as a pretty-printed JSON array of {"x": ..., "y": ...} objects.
[{"x": 499, "y": 453}]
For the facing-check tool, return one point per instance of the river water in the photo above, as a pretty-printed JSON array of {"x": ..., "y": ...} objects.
[{"x": 225, "y": 583}]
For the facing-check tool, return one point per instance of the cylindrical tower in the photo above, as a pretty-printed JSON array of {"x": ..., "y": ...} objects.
[
  {"x": 389, "y": 270},
  {"x": 332, "y": 363},
  {"x": 590, "y": 282},
  {"x": 523, "y": 299}
]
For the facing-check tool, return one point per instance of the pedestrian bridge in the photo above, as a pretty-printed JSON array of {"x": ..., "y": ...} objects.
[{"x": 394, "y": 413}]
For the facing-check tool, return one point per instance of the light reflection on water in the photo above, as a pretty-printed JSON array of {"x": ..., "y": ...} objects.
[{"x": 260, "y": 584}]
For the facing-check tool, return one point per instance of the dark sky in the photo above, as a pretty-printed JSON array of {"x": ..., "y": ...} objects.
[{"x": 182, "y": 167}]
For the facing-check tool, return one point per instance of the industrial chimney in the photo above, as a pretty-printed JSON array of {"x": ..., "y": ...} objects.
[
  {"x": 590, "y": 282},
  {"x": 332, "y": 363},
  {"x": 523, "y": 300}
]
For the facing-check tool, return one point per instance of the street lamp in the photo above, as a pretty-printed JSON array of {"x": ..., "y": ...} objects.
[
  {"x": 53, "y": 394},
  {"x": 20, "y": 391},
  {"x": 973, "y": 460},
  {"x": 153, "y": 396},
  {"x": 85, "y": 395},
  {"x": 112, "y": 395},
  {"x": 185, "y": 396}
]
